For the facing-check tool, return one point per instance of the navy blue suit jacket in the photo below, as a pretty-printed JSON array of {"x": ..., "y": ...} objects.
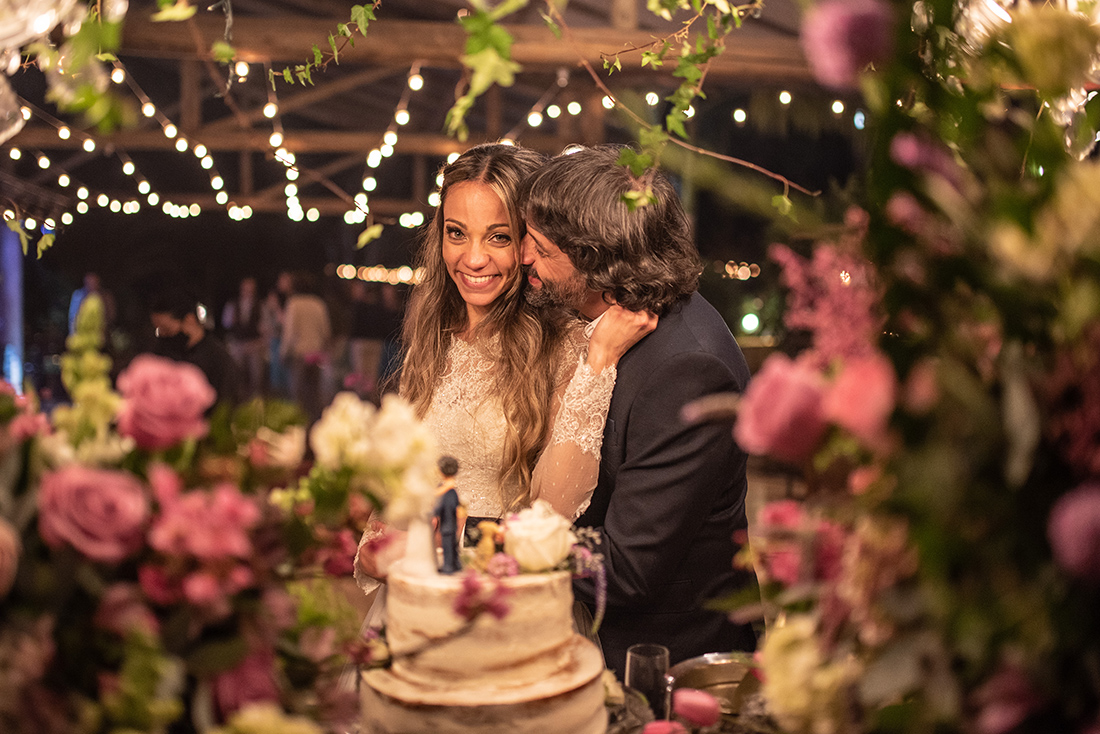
[{"x": 670, "y": 496}]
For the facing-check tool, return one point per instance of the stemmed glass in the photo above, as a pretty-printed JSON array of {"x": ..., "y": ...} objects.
[{"x": 647, "y": 673}]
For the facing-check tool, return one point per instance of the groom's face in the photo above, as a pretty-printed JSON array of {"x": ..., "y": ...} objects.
[{"x": 551, "y": 277}]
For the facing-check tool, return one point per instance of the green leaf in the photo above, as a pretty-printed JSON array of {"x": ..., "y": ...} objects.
[
  {"x": 222, "y": 52},
  {"x": 652, "y": 136},
  {"x": 635, "y": 198},
  {"x": 174, "y": 12},
  {"x": 45, "y": 243},
  {"x": 106, "y": 57},
  {"x": 674, "y": 121},
  {"x": 369, "y": 234},
  {"x": 782, "y": 204},
  {"x": 317, "y": 57},
  {"x": 332, "y": 45},
  {"x": 343, "y": 30},
  {"x": 638, "y": 163},
  {"x": 361, "y": 17},
  {"x": 553, "y": 26},
  {"x": 287, "y": 76}
]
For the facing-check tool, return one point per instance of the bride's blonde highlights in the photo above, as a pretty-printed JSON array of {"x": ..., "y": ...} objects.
[{"x": 524, "y": 366}]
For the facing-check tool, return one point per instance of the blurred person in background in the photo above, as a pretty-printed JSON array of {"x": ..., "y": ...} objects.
[
  {"x": 241, "y": 319},
  {"x": 307, "y": 330},
  {"x": 181, "y": 336}
]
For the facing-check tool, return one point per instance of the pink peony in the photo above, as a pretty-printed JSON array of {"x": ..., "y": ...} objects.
[
  {"x": 785, "y": 526},
  {"x": 781, "y": 412},
  {"x": 841, "y": 38},
  {"x": 122, "y": 609},
  {"x": 10, "y": 548},
  {"x": 253, "y": 681},
  {"x": 163, "y": 402},
  {"x": 1074, "y": 532},
  {"x": 696, "y": 707},
  {"x": 861, "y": 398},
  {"x": 100, "y": 513}
]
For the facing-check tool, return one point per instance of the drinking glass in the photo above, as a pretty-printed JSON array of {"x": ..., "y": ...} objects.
[{"x": 647, "y": 673}]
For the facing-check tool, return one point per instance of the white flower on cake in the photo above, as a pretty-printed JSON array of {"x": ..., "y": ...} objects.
[{"x": 538, "y": 538}]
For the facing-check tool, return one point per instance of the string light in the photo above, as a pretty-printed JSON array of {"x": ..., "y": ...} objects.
[
  {"x": 553, "y": 112},
  {"x": 401, "y": 117},
  {"x": 199, "y": 150},
  {"x": 43, "y": 162},
  {"x": 739, "y": 116},
  {"x": 63, "y": 180},
  {"x": 838, "y": 107},
  {"x": 15, "y": 154},
  {"x": 221, "y": 197},
  {"x": 148, "y": 109},
  {"x": 207, "y": 162},
  {"x": 82, "y": 192},
  {"x": 784, "y": 97},
  {"x": 270, "y": 110},
  {"x": 63, "y": 132},
  {"x": 370, "y": 183},
  {"x": 607, "y": 102},
  {"x": 170, "y": 131},
  {"x": 88, "y": 145},
  {"x": 144, "y": 187},
  {"x": 241, "y": 67},
  {"x": 276, "y": 139},
  {"x": 390, "y": 138},
  {"x": 652, "y": 98},
  {"x": 534, "y": 119},
  {"x": 181, "y": 144},
  {"x": 128, "y": 168},
  {"x": 118, "y": 75},
  {"x": 573, "y": 108}
]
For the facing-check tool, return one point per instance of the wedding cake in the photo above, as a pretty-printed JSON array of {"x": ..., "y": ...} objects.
[{"x": 475, "y": 653}]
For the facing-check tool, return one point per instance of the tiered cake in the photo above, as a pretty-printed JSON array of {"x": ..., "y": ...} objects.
[{"x": 525, "y": 672}]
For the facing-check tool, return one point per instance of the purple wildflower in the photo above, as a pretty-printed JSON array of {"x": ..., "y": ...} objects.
[{"x": 502, "y": 565}]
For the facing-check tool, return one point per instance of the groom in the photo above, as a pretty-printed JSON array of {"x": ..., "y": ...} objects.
[{"x": 670, "y": 496}]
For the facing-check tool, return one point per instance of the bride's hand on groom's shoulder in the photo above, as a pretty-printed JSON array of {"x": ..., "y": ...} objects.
[{"x": 617, "y": 331}]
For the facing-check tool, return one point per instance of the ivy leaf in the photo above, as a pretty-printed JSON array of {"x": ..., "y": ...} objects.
[
  {"x": 343, "y": 30},
  {"x": 652, "y": 136},
  {"x": 222, "y": 52},
  {"x": 635, "y": 198},
  {"x": 362, "y": 16},
  {"x": 674, "y": 121},
  {"x": 14, "y": 226},
  {"x": 287, "y": 76},
  {"x": 45, "y": 243},
  {"x": 783, "y": 205},
  {"x": 177, "y": 12},
  {"x": 489, "y": 67},
  {"x": 317, "y": 57},
  {"x": 554, "y": 27},
  {"x": 651, "y": 58},
  {"x": 638, "y": 163},
  {"x": 332, "y": 45},
  {"x": 369, "y": 234},
  {"x": 106, "y": 57}
]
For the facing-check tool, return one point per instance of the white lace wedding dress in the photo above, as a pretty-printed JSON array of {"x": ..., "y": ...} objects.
[{"x": 468, "y": 419}]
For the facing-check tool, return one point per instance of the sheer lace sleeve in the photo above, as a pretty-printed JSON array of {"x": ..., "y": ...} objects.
[
  {"x": 566, "y": 472},
  {"x": 365, "y": 582}
]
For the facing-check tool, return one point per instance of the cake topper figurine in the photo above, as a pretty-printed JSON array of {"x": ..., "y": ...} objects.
[{"x": 448, "y": 511}]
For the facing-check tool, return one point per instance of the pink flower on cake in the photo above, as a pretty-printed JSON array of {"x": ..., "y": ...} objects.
[
  {"x": 781, "y": 412},
  {"x": 253, "y": 681},
  {"x": 696, "y": 707},
  {"x": 10, "y": 548},
  {"x": 841, "y": 38},
  {"x": 477, "y": 597},
  {"x": 862, "y": 398},
  {"x": 162, "y": 402},
  {"x": 122, "y": 609},
  {"x": 1074, "y": 532},
  {"x": 100, "y": 513},
  {"x": 664, "y": 727},
  {"x": 501, "y": 565}
]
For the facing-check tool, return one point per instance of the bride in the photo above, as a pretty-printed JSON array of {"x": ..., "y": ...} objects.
[{"x": 519, "y": 395}]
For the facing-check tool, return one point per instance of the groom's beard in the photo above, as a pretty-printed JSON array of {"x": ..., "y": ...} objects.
[{"x": 569, "y": 294}]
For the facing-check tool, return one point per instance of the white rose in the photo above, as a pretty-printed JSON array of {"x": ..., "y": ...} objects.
[
  {"x": 399, "y": 437},
  {"x": 538, "y": 538}
]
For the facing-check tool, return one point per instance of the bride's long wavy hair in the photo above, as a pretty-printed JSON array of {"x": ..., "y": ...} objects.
[{"x": 528, "y": 344}]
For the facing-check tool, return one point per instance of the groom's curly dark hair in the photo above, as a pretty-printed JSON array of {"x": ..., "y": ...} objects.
[{"x": 645, "y": 259}]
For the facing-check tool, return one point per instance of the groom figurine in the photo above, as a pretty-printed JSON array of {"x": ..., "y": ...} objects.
[{"x": 670, "y": 495}]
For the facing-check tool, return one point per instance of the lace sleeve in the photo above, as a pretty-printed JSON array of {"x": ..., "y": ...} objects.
[
  {"x": 567, "y": 470},
  {"x": 365, "y": 582}
]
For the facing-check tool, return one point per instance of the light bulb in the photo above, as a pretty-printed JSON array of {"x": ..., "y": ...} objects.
[
  {"x": 534, "y": 119},
  {"x": 217, "y": 182},
  {"x": 401, "y": 117},
  {"x": 170, "y": 130},
  {"x": 181, "y": 144},
  {"x": 276, "y": 139},
  {"x": 43, "y": 162},
  {"x": 199, "y": 150},
  {"x": 574, "y": 108},
  {"x": 118, "y": 76},
  {"x": 416, "y": 82},
  {"x": 553, "y": 112},
  {"x": 63, "y": 180},
  {"x": 128, "y": 168},
  {"x": 784, "y": 97},
  {"x": 63, "y": 132},
  {"x": 270, "y": 110},
  {"x": 390, "y": 138},
  {"x": 607, "y": 102},
  {"x": 652, "y": 98},
  {"x": 370, "y": 183},
  {"x": 241, "y": 67},
  {"x": 148, "y": 109},
  {"x": 221, "y": 197},
  {"x": 89, "y": 145},
  {"x": 144, "y": 187}
]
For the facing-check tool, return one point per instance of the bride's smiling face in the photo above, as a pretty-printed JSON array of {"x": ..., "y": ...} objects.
[{"x": 479, "y": 247}]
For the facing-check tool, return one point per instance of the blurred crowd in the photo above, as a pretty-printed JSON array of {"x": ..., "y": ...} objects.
[{"x": 305, "y": 337}]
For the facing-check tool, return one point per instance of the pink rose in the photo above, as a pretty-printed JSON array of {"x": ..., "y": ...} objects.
[
  {"x": 1074, "y": 532},
  {"x": 122, "y": 609},
  {"x": 207, "y": 525},
  {"x": 202, "y": 589},
  {"x": 781, "y": 411},
  {"x": 10, "y": 548},
  {"x": 696, "y": 707},
  {"x": 163, "y": 402},
  {"x": 862, "y": 398},
  {"x": 338, "y": 558},
  {"x": 253, "y": 681},
  {"x": 784, "y": 524},
  {"x": 841, "y": 38},
  {"x": 100, "y": 513}
]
